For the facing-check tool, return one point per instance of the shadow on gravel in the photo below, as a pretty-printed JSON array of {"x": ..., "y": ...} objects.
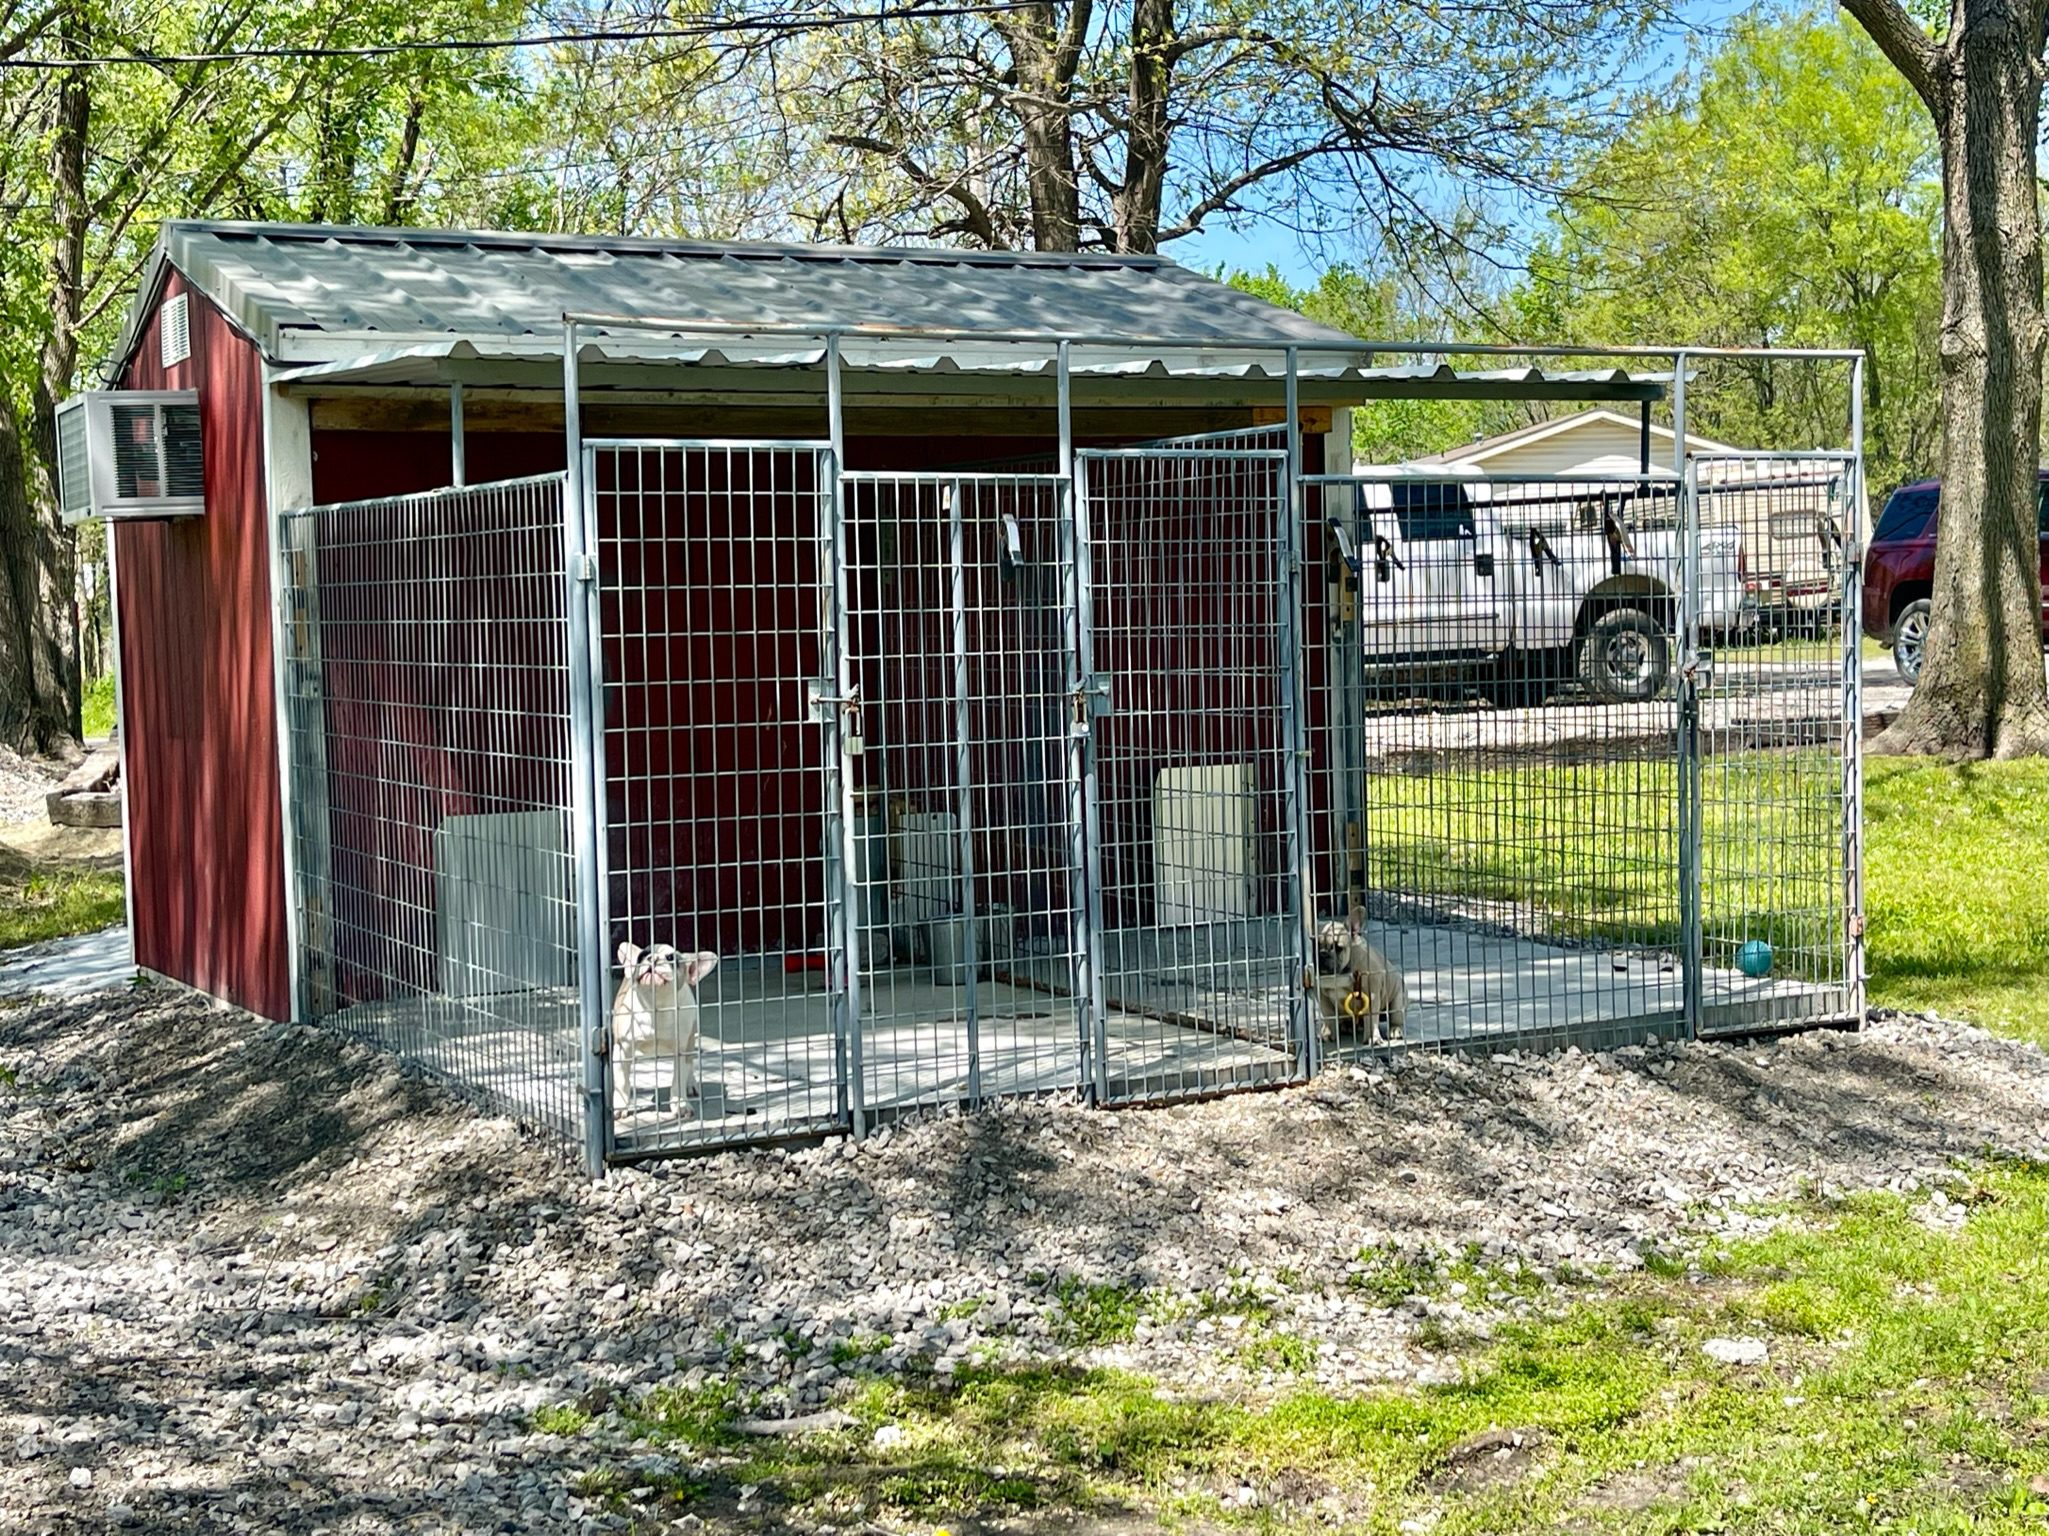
[{"x": 261, "y": 1105}]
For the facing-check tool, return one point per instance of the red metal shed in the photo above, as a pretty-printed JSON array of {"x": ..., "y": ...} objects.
[{"x": 340, "y": 365}]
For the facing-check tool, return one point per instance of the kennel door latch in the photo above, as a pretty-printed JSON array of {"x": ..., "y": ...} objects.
[
  {"x": 827, "y": 703},
  {"x": 1091, "y": 701}
]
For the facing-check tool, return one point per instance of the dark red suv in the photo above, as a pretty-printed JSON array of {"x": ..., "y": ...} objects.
[{"x": 1899, "y": 570}]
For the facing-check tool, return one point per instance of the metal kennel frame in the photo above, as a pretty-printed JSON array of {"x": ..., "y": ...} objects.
[
  {"x": 434, "y": 739},
  {"x": 1049, "y": 778}
]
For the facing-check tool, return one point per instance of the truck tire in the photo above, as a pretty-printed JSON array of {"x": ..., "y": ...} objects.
[
  {"x": 1624, "y": 658},
  {"x": 1910, "y": 639}
]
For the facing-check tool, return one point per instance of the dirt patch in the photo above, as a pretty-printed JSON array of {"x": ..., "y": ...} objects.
[
  {"x": 1494, "y": 1458},
  {"x": 1631, "y": 1493},
  {"x": 41, "y": 843}
]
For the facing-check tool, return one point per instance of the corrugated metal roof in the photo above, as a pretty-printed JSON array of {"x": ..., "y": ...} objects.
[
  {"x": 373, "y": 289},
  {"x": 407, "y": 307}
]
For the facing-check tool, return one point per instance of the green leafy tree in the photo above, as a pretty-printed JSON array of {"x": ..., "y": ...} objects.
[
  {"x": 1781, "y": 194},
  {"x": 1390, "y": 306},
  {"x": 96, "y": 155}
]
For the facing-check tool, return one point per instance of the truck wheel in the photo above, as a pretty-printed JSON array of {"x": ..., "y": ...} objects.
[
  {"x": 1910, "y": 638},
  {"x": 1625, "y": 658}
]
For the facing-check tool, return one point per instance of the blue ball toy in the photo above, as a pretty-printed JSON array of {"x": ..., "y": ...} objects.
[{"x": 1754, "y": 958}]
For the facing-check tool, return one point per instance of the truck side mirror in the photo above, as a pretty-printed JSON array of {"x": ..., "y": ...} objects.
[{"x": 1385, "y": 561}]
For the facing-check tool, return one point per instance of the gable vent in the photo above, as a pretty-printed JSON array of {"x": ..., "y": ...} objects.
[{"x": 174, "y": 332}]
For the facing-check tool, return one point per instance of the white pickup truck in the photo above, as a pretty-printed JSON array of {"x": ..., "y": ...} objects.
[{"x": 1531, "y": 583}]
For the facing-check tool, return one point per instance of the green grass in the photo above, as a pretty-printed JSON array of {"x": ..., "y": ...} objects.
[
  {"x": 1955, "y": 898},
  {"x": 1096, "y": 1314},
  {"x": 50, "y": 901},
  {"x": 1907, "y": 1390},
  {"x": 1285, "y": 1354},
  {"x": 560, "y": 1419},
  {"x": 858, "y": 1347},
  {"x": 1389, "y": 1275},
  {"x": 1956, "y": 906},
  {"x": 97, "y": 707},
  {"x": 1594, "y": 846}
]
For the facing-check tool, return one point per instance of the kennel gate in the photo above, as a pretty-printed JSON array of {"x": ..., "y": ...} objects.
[
  {"x": 1561, "y": 771},
  {"x": 430, "y": 731}
]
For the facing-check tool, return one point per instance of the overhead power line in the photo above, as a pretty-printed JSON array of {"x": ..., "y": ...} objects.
[{"x": 785, "y": 22}]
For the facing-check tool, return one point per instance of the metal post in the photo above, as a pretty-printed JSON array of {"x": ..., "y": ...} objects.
[
  {"x": 842, "y": 831},
  {"x": 1084, "y": 814},
  {"x": 1688, "y": 745},
  {"x": 121, "y": 734},
  {"x": 458, "y": 453},
  {"x": 1853, "y": 707},
  {"x": 288, "y": 484},
  {"x": 1295, "y": 753},
  {"x": 963, "y": 767},
  {"x": 586, "y": 722}
]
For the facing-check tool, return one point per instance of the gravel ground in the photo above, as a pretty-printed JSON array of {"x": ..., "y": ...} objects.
[
  {"x": 256, "y": 1278},
  {"x": 24, "y": 781}
]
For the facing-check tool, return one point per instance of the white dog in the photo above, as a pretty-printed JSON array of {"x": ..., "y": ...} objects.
[
  {"x": 655, "y": 1014},
  {"x": 1346, "y": 965}
]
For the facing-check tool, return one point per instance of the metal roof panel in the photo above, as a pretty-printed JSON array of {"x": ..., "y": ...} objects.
[{"x": 401, "y": 286}]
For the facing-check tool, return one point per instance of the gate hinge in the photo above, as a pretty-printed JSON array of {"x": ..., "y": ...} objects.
[{"x": 584, "y": 568}]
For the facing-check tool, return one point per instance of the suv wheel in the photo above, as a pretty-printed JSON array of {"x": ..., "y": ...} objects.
[
  {"x": 1910, "y": 638},
  {"x": 1625, "y": 658}
]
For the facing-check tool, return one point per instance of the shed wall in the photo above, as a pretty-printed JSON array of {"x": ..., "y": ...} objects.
[{"x": 205, "y": 822}]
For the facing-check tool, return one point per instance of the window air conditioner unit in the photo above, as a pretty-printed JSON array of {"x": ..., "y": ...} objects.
[{"x": 130, "y": 453}]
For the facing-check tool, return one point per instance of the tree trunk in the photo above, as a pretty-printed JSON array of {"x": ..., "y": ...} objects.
[
  {"x": 1045, "y": 55},
  {"x": 32, "y": 717},
  {"x": 1146, "y": 135},
  {"x": 1981, "y": 692},
  {"x": 39, "y": 682}
]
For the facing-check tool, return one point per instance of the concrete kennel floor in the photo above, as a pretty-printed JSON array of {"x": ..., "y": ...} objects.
[{"x": 1189, "y": 1010}]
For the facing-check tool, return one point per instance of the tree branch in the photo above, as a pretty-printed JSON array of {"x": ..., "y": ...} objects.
[
  {"x": 1220, "y": 199},
  {"x": 1913, "y": 53}
]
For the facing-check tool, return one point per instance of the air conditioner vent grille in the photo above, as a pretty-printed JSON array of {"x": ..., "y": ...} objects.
[{"x": 131, "y": 454}]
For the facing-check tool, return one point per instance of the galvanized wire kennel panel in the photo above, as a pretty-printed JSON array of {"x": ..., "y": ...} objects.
[
  {"x": 720, "y": 796},
  {"x": 1512, "y": 700},
  {"x": 1775, "y": 760},
  {"x": 427, "y": 702},
  {"x": 971, "y": 785},
  {"x": 957, "y": 603},
  {"x": 1193, "y": 796}
]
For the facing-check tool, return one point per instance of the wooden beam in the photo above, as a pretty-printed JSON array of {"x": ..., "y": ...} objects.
[{"x": 1315, "y": 418}]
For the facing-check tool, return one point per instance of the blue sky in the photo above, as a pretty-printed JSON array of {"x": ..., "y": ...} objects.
[{"x": 1264, "y": 244}]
